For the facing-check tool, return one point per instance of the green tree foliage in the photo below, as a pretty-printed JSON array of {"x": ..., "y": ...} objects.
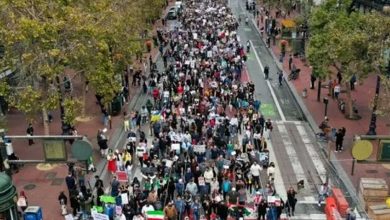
[
  {"x": 72, "y": 108},
  {"x": 352, "y": 43},
  {"x": 95, "y": 38}
]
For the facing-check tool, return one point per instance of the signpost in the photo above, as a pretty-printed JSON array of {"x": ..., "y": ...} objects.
[{"x": 54, "y": 150}]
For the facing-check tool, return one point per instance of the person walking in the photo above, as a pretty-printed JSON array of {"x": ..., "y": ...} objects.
[
  {"x": 70, "y": 182},
  {"x": 280, "y": 77},
  {"x": 63, "y": 203},
  {"x": 337, "y": 90},
  {"x": 266, "y": 72},
  {"x": 313, "y": 79},
  {"x": 74, "y": 203},
  {"x": 262, "y": 210},
  {"x": 324, "y": 193},
  {"x": 339, "y": 140},
  {"x": 291, "y": 201},
  {"x": 30, "y": 132},
  {"x": 290, "y": 61},
  {"x": 352, "y": 82},
  {"x": 255, "y": 171},
  {"x": 170, "y": 211},
  {"x": 268, "y": 129},
  {"x": 115, "y": 187}
]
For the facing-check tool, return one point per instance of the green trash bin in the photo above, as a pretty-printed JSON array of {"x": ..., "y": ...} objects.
[{"x": 116, "y": 105}]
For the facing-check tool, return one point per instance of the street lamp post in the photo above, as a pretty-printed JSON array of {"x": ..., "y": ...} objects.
[
  {"x": 372, "y": 127},
  {"x": 326, "y": 101},
  {"x": 319, "y": 90}
]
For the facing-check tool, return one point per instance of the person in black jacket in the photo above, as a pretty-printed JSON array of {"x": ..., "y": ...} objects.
[
  {"x": 74, "y": 203},
  {"x": 339, "y": 140},
  {"x": 30, "y": 132},
  {"x": 262, "y": 210},
  {"x": 222, "y": 211}
]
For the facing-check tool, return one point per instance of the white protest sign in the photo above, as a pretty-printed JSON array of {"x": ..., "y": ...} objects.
[
  {"x": 124, "y": 198},
  {"x": 168, "y": 163},
  {"x": 200, "y": 148},
  {"x": 99, "y": 216},
  {"x": 69, "y": 217},
  {"x": 175, "y": 147}
]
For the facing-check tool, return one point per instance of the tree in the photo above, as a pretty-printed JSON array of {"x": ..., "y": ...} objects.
[
  {"x": 30, "y": 34},
  {"x": 95, "y": 38},
  {"x": 349, "y": 42},
  {"x": 72, "y": 110}
]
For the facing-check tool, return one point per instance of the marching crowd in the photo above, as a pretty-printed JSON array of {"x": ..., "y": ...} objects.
[{"x": 202, "y": 159}]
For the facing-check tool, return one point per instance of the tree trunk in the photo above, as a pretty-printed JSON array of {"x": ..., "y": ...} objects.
[
  {"x": 84, "y": 96},
  {"x": 349, "y": 103},
  {"x": 46, "y": 128}
]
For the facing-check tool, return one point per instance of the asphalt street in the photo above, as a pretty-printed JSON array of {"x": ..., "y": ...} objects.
[{"x": 277, "y": 101}]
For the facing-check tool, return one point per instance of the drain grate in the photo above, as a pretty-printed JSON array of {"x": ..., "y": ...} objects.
[
  {"x": 50, "y": 175},
  {"x": 29, "y": 186},
  {"x": 57, "y": 181},
  {"x": 371, "y": 171}
]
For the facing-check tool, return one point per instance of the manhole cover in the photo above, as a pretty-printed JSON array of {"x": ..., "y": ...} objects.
[
  {"x": 50, "y": 175},
  {"x": 57, "y": 181},
  {"x": 371, "y": 171},
  {"x": 29, "y": 186}
]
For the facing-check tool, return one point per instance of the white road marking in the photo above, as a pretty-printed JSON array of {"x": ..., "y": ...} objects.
[
  {"x": 269, "y": 85},
  {"x": 278, "y": 182},
  {"x": 292, "y": 154},
  {"x": 315, "y": 157},
  {"x": 304, "y": 216}
]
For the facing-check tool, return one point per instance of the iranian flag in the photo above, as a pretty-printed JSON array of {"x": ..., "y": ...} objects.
[
  {"x": 155, "y": 215},
  {"x": 249, "y": 212}
]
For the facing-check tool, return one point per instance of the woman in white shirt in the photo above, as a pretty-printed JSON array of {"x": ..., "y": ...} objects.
[{"x": 214, "y": 185}]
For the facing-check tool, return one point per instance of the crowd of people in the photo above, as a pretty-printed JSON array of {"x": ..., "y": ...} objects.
[{"x": 206, "y": 155}]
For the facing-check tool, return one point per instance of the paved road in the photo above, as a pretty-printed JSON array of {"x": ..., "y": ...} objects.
[
  {"x": 293, "y": 146},
  {"x": 272, "y": 95}
]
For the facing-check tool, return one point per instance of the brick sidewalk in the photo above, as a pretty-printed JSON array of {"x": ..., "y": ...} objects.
[
  {"x": 363, "y": 95},
  {"x": 42, "y": 183}
]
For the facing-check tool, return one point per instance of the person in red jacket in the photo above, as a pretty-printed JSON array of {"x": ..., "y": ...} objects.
[{"x": 156, "y": 94}]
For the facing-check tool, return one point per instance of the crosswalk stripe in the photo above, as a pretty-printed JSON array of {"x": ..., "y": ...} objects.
[
  {"x": 292, "y": 154},
  {"x": 319, "y": 165},
  {"x": 310, "y": 216}
]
